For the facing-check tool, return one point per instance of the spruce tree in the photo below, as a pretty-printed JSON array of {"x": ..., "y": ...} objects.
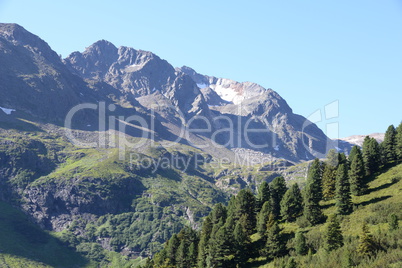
[
  {"x": 159, "y": 258},
  {"x": 215, "y": 228},
  {"x": 389, "y": 144},
  {"x": 218, "y": 213},
  {"x": 264, "y": 194},
  {"x": 292, "y": 204},
  {"x": 343, "y": 198},
  {"x": 393, "y": 222},
  {"x": 353, "y": 153},
  {"x": 271, "y": 222},
  {"x": 398, "y": 143},
  {"x": 263, "y": 216},
  {"x": 328, "y": 182},
  {"x": 192, "y": 254},
  {"x": 240, "y": 236},
  {"x": 241, "y": 241},
  {"x": 333, "y": 237},
  {"x": 278, "y": 189},
  {"x": 332, "y": 158},
  {"x": 275, "y": 245},
  {"x": 221, "y": 249},
  {"x": 231, "y": 207},
  {"x": 366, "y": 246},
  {"x": 342, "y": 159},
  {"x": 371, "y": 155},
  {"x": 205, "y": 235},
  {"x": 230, "y": 223},
  {"x": 315, "y": 177},
  {"x": 186, "y": 236},
  {"x": 182, "y": 260},
  {"x": 172, "y": 248},
  {"x": 357, "y": 174},
  {"x": 300, "y": 244},
  {"x": 313, "y": 194},
  {"x": 245, "y": 206},
  {"x": 329, "y": 174}
]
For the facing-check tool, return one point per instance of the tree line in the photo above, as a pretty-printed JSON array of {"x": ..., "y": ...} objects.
[{"x": 226, "y": 236}]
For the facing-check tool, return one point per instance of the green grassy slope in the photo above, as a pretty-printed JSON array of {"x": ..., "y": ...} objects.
[{"x": 383, "y": 198}]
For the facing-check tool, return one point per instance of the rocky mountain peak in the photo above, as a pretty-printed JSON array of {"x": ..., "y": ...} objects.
[
  {"x": 16, "y": 33},
  {"x": 18, "y": 36},
  {"x": 229, "y": 90},
  {"x": 129, "y": 70},
  {"x": 95, "y": 61}
]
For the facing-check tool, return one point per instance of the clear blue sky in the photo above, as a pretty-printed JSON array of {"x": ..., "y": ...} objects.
[{"x": 311, "y": 52}]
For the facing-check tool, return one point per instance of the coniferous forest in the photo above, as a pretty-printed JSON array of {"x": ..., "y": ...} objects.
[{"x": 344, "y": 216}]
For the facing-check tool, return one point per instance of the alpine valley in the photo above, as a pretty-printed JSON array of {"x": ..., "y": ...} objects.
[{"x": 104, "y": 155}]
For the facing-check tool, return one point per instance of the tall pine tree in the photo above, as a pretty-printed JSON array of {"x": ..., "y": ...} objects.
[
  {"x": 264, "y": 194},
  {"x": 398, "y": 143},
  {"x": 263, "y": 216},
  {"x": 278, "y": 189},
  {"x": 389, "y": 144},
  {"x": 371, "y": 155},
  {"x": 366, "y": 246},
  {"x": 182, "y": 256},
  {"x": 329, "y": 173},
  {"x": 328, "y": 182},
  {"x": 218, "y": 213},
  {"x": 333, "y": 237},
  {"x": 241, "y": 240},
  {"x": 332, "y": 158},
  {"x": 353, "y": 153},
  {"x": 192, "y": 254},
  {"x": 221, "y": 249},
  {"x": 357, "y": 174},
  {"x": 245, "y": 207},
  {"x": 206, "y": 231},
  {"x": 172, "y": 247},
  {"x": 292, "y": 204},
  {"x": 313, "y": 194},
  {"x": 275, "y": 245},
  {"x": 300, "y": 244},
  {"x": 343, "y": 198}
]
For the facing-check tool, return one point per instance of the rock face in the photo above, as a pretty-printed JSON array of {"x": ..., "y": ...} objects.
[
  {"x": 56, "y": 203},
  {"x": 138, "y": 73},
  {"x": 33, "y": 79},
  {"x": 292, "y": 136},
  {"x": 135, "y": 71},
  {"x": 146, "y": 77}
]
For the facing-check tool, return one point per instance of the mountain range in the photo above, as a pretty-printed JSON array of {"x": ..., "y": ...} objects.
[
  {"x": 82, "y": 139},
  {"x": 35, "y": 81}
]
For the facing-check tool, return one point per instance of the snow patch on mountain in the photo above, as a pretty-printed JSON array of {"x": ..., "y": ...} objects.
[
  {"x": 7, "y": 110},
  {"x": 228, "y": 94},
  {"x": 201, "y": 85}
]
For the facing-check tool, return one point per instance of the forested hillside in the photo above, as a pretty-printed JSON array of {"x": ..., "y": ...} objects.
[{"x": 347, "y": 215}]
